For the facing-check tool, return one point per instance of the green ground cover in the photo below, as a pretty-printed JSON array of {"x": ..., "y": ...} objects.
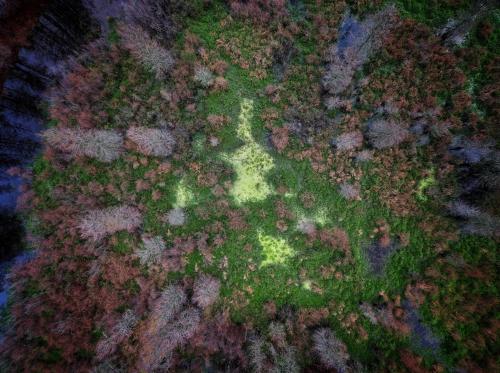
[{"x": 267, "y": 258}]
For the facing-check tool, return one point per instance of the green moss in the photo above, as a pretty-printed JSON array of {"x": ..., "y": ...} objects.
[
  {"x": 424, "y": 184},
  {"x": 113, "y": 35},
  {"x": 132, "y": 286},
  {"x": 53, "y": 356},
  {"x": 183, "y": 194},
  {"x": 82, "y": 354},
  {"x": 31, "y": 288},
  {"x": 250, "y": 162},
  {"x": 432, "y": 13},
  {"x": 124, "y": 242},
  {"x": 97, "y": 334},
  {"x": 260, "y": 261},
  {"x": 276, "y": 250}
]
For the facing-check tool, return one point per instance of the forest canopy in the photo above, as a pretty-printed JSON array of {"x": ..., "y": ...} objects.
[{"x": 253, "y": 185}]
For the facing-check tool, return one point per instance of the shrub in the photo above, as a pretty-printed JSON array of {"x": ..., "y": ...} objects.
[
  {"x": 340, "y": 73},
  {"x": 476, "y": 222},
  {"x": 168, "y": 305},
  {"x": 462, "y": 209},
  {"x": 104, "y": 145},
  {"x": 357, "y": 41},
  {"x": 156, "y": 16},
  {"x": 256, "y": 353},
  {"x": 483, "y": 225},
  {"x": 184, "y": 326},
  {"x": 97, "y": 224},
  {"x": 203, "y": 76},
  {"x": 107, "y": 367},
  {"x": 348, "y": 141},
  {"x": 277, "y": 333},
  {"x": 218, "y": 336},
  {"x": 152, "y": 141},
  {"x": 259, "y": 11},
  {"x": 331, "y": 350},
  {"x": 306, "y": 226},
  {"x": 122, "y": 330},
  {"x": 148, "y": 51},
  {"x": 217, "y": 121},
  {"x": 206, "y": 291},
  {"x": 378, "y": 254},
  {"x": 80, "y": 93},
  {"x": 153, "y": 248},
  {"x": 176, "y": 217},
  {"x": 158, "y": 346},
  {"x": 280, "y": 138},
  {"x": 220, "y": 84},
  {"x": 385, "y": 133},
  {"x": 336, "y": 238},
  {"x": 286, "y": 362},
  {"x": 364, "y": 155},
  {"x": 349, "y": 191},
  {"x": 469, "y": 151}
]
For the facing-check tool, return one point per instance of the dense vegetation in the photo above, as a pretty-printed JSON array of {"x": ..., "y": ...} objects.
[{"x": 267, "y": 185}]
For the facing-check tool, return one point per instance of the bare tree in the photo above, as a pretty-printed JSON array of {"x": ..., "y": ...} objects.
[
  {"x": 147, "y": 50},
  {"x": 104, "y": 145},
  {"x": 384, "y": 133},
  {"x": 331, "y": 350},
  {"x": 206, "y": 291},
  {"x": 97, "y": 224},
  {"x": 157, "y": 142}
]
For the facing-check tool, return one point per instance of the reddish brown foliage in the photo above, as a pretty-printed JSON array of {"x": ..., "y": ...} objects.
[
  {"x": 279, "y": 138},
  {"x": 281, "y": 225},
  {"x": 336, "y": 238},
  {"x": 307, "y": 199},
  {"x": 220, "y": 84},
  {"x": 237, "y": 220},
  {"x": 217, "y": 121},
  {"x": 80, "y": 95},
  {"x": 220, "y": 336},
  {"x": 65, "y": 306},
  {"x": 412, "y": 362},
  {"x": 181, "y": 75},
  {"x": 282, "y": 211},
  {"x": 270, "y": 309},
  {"x": 259, "y": 11},
  {"x": 219, "y": 67},
  {"x": 208, "y": 179},
  {"x": 308, "y": 317}
]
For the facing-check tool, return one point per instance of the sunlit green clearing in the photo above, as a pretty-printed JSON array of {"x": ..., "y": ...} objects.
[
  {"x": 183, "y": 195},
  {"x": 275, "y": 250},
  {"x": 250, "y": 162}
]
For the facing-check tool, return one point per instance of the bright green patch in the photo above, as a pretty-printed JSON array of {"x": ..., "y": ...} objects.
[
  {"x": 424, "y": 184},
  {"x": 259, "y": 260},
  {"x": 183, "y": 194},
  {"x": 275, "y": 250},
  {"x": 251, "y": 162}
]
